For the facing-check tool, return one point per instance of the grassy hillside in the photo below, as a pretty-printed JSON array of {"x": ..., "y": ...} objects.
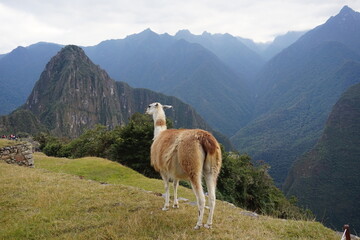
[{"x": 53, "y": 202}]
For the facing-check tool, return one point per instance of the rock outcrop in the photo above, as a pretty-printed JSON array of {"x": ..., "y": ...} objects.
[{"x": 20, "y": 154}]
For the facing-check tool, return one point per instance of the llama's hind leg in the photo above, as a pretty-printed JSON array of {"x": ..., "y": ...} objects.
[
  {"x": 200, "y": 197},
  {"x": 211, "y": 185},
  {"x": 176, "y": 185},
  {"x": 167, "y": 193}
]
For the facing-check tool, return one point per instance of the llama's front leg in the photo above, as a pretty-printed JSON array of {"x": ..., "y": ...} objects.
[
  {"x": 200, "y": 198},
  {"x": 167, "y": 194},
  {"x": 176, "y": 185}
]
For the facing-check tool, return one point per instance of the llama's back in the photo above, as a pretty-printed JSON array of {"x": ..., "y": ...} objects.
[
  {"x": 184, "y": 152},
  {"x": 163, "y": 148}
]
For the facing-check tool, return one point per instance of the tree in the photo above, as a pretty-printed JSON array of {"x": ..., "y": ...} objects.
[
  {"x": 93, "y": 142},
  {"x": 252, "y": 188},
  {"x": 132, "y": 147}
]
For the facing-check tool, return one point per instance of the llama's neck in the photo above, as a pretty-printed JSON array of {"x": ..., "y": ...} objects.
[{"x": 159, "y": 123}]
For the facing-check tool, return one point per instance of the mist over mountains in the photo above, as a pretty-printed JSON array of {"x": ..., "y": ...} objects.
[
  {"x": 272, "y": 100},
  {"x": 296, "y": 91},
  {"x": 182, "y": 69}
]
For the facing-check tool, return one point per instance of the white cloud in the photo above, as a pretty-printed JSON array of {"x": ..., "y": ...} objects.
[
  {"x": 20, "y": 28},
  {"x": 87, "y": 22}
]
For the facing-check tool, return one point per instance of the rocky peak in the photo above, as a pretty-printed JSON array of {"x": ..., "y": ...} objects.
[
  {"x": 346, "y": 15},
  {"x": 346, "y": 11},
  {"x": 73, "y": 93}
]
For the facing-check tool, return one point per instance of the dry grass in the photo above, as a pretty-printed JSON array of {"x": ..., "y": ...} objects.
[
  {"x": 41, "y": 204},
  {"x": 6, "y": 143}
]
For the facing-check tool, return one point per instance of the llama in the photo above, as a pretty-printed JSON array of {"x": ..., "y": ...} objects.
[{"x": 185, "y": 154}]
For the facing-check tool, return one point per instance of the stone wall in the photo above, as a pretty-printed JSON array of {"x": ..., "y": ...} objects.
[{"x": 20, "y": 154}]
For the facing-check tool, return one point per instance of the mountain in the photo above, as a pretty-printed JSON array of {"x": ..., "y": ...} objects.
[
  {"x": 280, "y": 43},
  {"x": 21, "y": 122},
  {"x": 296, "y": 91},
  {"x": 241, "y": 59},
  {"x": 182, "y": 69},
  {"x": 270, "y": 49},
  {"x": 327, "y": 178},
  {"x": 343, "y": 28},
  {"x": 74, "y": 94},
  {"x": 130, "y": 59},
  {"x": 147, "y": 60},
  {"x": 19, "y": 70}
]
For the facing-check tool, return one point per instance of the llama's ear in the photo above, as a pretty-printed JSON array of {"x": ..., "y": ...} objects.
[{"x": 167, "y": 106}]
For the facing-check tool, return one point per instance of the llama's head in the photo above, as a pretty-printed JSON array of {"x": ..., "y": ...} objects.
[
  {"x": 156, "y": 108},
  {"x": 157, "y": 111}
]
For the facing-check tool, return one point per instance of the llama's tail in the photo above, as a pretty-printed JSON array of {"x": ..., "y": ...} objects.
[{"x": 212, "y": 151}]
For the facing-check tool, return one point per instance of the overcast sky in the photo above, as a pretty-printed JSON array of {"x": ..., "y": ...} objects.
[{"x": 88, "y": 22}]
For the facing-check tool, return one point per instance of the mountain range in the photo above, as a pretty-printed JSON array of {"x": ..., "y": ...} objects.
[
  {"x": 273, "y": 101},
  {"x": 182, "y": 69},
  {"x": 268, "y": 50},
  {"x": 73, "y": 94},
  {"x": 149, "y": 60},
  {"x": 296, "y": 91}
]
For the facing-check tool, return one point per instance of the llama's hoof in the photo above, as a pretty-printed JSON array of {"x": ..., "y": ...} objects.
[
  {"x": 176, "y": 206},
  {"x": 165, "y": 208},
  {"x": 208, "y": 226},
  {"x": 197, "y": 227}
]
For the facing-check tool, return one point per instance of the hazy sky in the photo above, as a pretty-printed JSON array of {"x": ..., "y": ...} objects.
[{"x": 88, "y": 22}]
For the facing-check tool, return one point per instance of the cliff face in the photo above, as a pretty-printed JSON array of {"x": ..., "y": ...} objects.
[
  {"x": 327, "y": 178},
  {"x": 73, "y": 93}
]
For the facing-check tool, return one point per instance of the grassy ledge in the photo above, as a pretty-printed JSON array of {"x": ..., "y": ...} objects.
[
  {"x": 51, "y": 201},
  {"x": 7, "y": 143}
]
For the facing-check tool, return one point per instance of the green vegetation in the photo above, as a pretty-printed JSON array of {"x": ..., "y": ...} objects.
[
  {"x": 327, "y": 178},
  {"x": 20, "y": 122},
  {"x": 6, "y": 143},
  {"x": 47, "y": 203},
  {"x": 129, "y": 145},
  {"x": 104, "y": 171},
  {"x": 252, "y": 188},
  {"x": 240, "y": 182}
]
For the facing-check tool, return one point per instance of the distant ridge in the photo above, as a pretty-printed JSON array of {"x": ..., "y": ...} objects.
[
  {"x": 296, "y": 91},
  {"x": 241, "y": 59},
  {"x": 182, "y": 69}
]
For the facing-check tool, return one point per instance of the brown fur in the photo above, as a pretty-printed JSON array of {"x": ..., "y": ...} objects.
[
  {"x": 160, "y": 122},
  {"x": 184, "y": 149},
  {"x": 188, "y": 154}
]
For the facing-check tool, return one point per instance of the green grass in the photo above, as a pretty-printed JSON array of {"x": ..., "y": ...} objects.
[
  {"x": 7, "y": 143},
  {"x": 105, "y": 171},
  {"x": 51, "y": 201}
]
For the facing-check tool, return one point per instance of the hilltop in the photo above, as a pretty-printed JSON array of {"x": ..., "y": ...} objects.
[{"x": 48, "y": 202}]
